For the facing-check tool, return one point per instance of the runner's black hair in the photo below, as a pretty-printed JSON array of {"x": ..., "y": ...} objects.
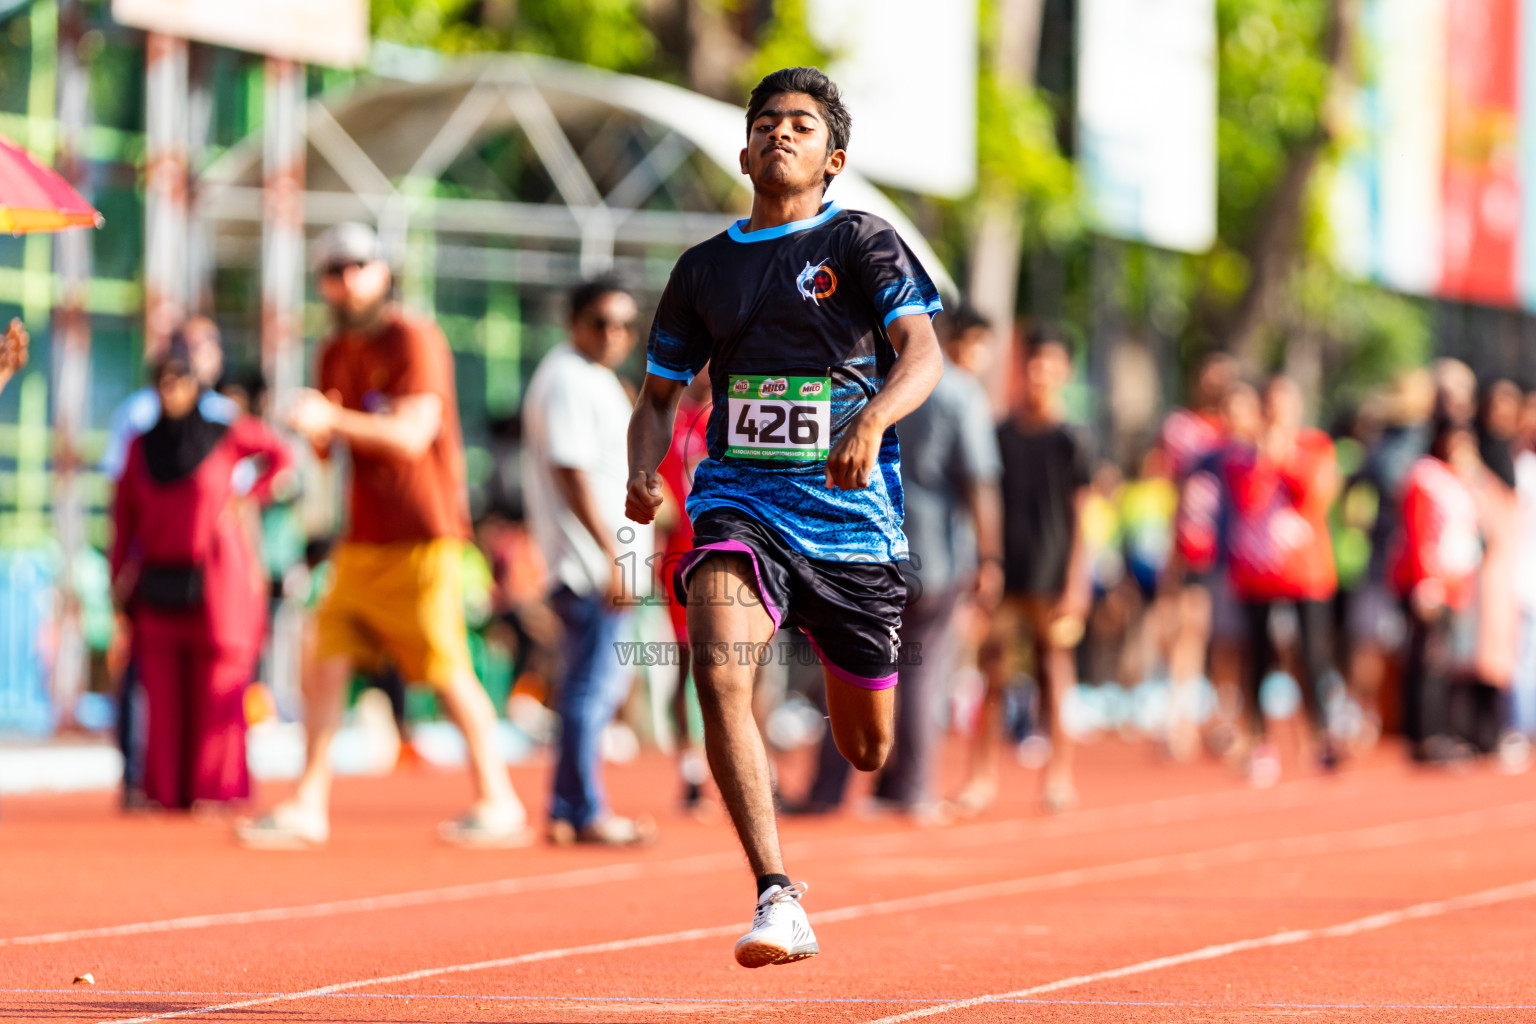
[
  {"x": 818, "y": 87},
  {"x": 589, "y": 291}
]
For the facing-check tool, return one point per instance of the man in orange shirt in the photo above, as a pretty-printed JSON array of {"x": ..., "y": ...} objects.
[{"x": 386, "y": 390}]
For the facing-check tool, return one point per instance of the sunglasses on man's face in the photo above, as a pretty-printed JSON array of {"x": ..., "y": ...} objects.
[
  {"x": 341, "y": 267},
  {"x": 604, "y": 323}
]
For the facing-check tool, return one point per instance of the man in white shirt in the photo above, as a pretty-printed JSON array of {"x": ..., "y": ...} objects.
[{"x": 575, "y": 475}]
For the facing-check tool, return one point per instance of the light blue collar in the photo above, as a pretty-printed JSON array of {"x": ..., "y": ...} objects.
[{"x": 739, "y": 233}]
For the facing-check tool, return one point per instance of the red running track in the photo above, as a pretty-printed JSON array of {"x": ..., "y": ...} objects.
[{"x": 1175, "y": 894}]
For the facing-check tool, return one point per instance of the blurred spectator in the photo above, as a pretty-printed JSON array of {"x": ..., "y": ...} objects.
[
  {"x": 183, "y": 568},
  {"x": 1147, "y": 506},
  {"x": 1197, "y": 576},
  {"x": 1373, "y": 498},
  {"x": 575, "y": 472},
  {"x": 1282, "y": 553},
  {"x": 132, "y": 417},
  {"x": 1435, "y": 571},
  {"x": 689, "y": 447},
  {"x": 386, "y": 391},
  {"x": 950, "y": 471},
  {"x": 1480, "y": 705},
  {"x": 1046, "y": 469},
  {"x": 1523, "y": 710},
  {"x": 1455, "y": 391}
]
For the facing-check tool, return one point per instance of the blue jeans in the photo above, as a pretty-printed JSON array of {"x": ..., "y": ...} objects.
[
  {"x": 1524, "y": 684},
  {"x": 594, "y": 687}
]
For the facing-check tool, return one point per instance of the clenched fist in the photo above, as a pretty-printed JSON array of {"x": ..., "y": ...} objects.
[{"x": 643, "y": 498}]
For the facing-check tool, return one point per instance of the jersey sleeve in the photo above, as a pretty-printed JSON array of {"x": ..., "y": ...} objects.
[
  {"x": 890, "y": 274},
  {"x": 426, "y": 365},
  {"x": 679, "y": 344}
]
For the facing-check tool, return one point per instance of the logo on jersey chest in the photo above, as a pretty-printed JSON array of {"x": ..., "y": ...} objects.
[{"x": 816, "y": 282}]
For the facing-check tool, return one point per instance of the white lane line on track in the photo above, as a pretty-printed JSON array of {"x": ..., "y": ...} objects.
[
  {"x": 1373, "y": 838},
  {"x": 1419, "y": 911},
  {"x": 755, "y": 1001},
  {"x": 1165, "y": 810}
]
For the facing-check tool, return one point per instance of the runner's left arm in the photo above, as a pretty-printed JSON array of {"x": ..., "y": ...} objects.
[{"x": 917, "y": 369}]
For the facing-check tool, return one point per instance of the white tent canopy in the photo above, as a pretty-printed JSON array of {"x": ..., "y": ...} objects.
[{"x": 619, "y": 169}]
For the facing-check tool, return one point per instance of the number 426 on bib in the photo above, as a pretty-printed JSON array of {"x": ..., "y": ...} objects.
[{"x": 782, "y": 418}]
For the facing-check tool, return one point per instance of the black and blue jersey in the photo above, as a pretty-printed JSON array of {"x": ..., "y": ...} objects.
[{"x": 792, "y": 321}]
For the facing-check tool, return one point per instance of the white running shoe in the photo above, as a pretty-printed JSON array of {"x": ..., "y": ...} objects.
[{"x": 780, "y": 932}]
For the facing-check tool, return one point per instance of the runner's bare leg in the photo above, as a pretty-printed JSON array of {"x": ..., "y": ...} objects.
[
  {"x": 863, "y": 722},
  {"x": 723, "y": 610}
]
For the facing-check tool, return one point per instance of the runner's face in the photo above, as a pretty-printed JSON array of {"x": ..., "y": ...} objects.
[
  {"x": 604, "y": 332},
  {"x": 788, "y": 147}
]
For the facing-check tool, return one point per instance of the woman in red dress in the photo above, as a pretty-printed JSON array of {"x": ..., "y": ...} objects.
[{"x": 183, "y": 565}]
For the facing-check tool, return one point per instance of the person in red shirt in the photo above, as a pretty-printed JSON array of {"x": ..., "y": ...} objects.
[
  {"x": 689, "y": 447},
  {"x": 183, "y": 567},
  {"x": 1281, "y": 552},
  {"x": 1434, "y": 569}
]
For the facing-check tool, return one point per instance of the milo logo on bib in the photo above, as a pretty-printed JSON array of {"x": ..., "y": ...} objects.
[{"x": 781, "y": 419}]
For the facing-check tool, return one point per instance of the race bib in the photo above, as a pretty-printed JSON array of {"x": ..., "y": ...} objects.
[{"x": 784, "y": 418}]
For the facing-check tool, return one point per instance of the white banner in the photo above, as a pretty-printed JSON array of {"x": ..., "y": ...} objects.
[
  {"x": 329, "y": 32},
  {"x": 907, "y": 71},
  {"x": 1147, "y": 119}
]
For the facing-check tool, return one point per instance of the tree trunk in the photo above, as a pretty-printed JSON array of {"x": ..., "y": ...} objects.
[
  {"x": 716, "y": 53},
  {"x": 999, "y": 239},
  {"x": 1272, "y": 251}
]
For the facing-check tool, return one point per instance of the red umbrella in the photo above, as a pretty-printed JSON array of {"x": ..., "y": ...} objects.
[{"x": 35, "y": 198}]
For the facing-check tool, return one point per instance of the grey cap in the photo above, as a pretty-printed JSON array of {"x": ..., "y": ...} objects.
[{"x": 345, "y": 243}]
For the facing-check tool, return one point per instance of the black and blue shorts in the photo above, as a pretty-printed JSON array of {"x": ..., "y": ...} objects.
[{"x": 850, "y": 611}]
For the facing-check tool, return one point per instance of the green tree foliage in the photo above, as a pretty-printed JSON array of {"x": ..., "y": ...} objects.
[
  {"x": 1273, "y": 83},
  {"x": 1017, "y": 153},
  {"x": 786, "y": 42},
  {"x": 605, "y": 33}
]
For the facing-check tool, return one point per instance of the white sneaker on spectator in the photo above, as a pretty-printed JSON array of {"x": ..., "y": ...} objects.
[{"x": 780, "y": 933}]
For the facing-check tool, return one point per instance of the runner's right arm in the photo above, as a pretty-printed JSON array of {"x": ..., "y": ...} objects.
[{"x": 650, "y": 435}]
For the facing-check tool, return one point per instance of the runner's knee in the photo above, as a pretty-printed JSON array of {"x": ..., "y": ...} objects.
[{"x": 864, "y": 745}]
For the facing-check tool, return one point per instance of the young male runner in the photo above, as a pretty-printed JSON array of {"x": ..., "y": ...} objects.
[{"x": 815, "y": 323}]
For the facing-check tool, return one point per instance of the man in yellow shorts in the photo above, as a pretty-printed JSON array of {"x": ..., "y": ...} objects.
[{"x": 386, "y": 391}]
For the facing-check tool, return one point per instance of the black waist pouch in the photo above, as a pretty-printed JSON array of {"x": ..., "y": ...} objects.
[{"x": 171, "y": 587}]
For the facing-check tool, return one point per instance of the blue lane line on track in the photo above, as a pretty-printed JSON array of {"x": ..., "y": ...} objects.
[{"x": 675, "y": 999}]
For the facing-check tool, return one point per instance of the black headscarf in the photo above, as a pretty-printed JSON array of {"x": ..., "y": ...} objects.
[{"x": 173, "y": 449}]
